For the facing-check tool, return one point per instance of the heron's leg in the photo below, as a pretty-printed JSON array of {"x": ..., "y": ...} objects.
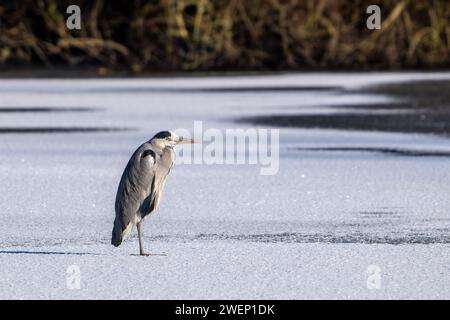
[{"x": 141, "y": 245}]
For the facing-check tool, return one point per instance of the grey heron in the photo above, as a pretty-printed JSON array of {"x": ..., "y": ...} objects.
[{"x": 142, "y": 184}]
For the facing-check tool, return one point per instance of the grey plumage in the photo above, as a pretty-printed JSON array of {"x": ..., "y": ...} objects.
[{"x": 142, "y": 183}]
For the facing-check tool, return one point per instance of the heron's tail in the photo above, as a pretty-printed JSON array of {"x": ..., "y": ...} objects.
[
  {"x": 119, "y": 233},
  {"x": 116, "y": 238}
]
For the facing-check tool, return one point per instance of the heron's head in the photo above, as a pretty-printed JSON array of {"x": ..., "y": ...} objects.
[{"x": 169, "y": 139}]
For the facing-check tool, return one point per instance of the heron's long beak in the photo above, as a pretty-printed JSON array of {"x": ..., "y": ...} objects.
[{"x": 186, "y": 141}]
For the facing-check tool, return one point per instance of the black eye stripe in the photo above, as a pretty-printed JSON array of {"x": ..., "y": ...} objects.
[{"x": 162, "y": 135}]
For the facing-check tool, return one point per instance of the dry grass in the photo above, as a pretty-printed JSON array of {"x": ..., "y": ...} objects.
[{"x": 174, "y": 35}]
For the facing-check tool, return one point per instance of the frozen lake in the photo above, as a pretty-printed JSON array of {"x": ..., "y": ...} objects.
[{"x": 358, "y": 210}]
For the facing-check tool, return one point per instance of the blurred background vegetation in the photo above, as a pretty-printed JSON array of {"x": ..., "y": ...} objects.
[{"x": 206, "y": 35}]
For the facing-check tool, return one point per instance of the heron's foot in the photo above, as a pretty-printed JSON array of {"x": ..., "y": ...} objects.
[{"x": 143, "y": 254}]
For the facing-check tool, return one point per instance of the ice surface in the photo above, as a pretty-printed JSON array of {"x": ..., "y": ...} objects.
[{"x": 311, "y": 231}]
